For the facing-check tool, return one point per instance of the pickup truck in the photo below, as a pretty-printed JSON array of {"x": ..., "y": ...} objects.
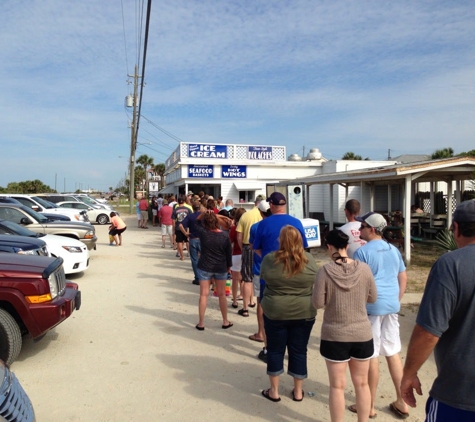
[
  {"x": 34, "y": 298},
  {"x": 38, "y": 223}
]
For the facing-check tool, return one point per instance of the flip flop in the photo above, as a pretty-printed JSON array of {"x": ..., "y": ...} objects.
[
  {"x": 225, "y": 327},
  {"x": 199, "y": 328},
  {"x": 293, "y": 396},
  {"x": 265, "y": 393},
  {"x": 397, "y": 412},
  {"x": 252, "y": 305},
  {"x": 352, "y": 408},
  {"x": 234, "y": 305},
  {"x": 253, "y": 337}
]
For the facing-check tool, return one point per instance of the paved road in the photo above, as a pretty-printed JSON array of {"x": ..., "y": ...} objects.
[{"x": 132, "y": 354}]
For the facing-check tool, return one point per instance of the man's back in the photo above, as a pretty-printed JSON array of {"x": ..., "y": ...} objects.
[
  {"x": 268, "y": 231},
  {"x": 245, "y": 223},
  {"x": 386, "y": 263},
  {"x": 352, "y": 230},
  {"x": 453, "y": 320}
]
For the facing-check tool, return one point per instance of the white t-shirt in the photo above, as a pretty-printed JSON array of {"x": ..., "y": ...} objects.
[{"x": 352, "y": 230}]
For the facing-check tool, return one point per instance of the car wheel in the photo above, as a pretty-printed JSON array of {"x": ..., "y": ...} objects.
[
  {"x": 10, "y": 338},
  {"x": 102, "y": 219}
]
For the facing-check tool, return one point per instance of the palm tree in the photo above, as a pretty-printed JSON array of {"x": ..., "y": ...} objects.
[
  {"x": 442, "y": 153},
  {"x": 159, "y": 170},
  {"x": 351, "y": 156},
  {"x": 146, "y": 163},
  {"x": 139, "y": 176}
]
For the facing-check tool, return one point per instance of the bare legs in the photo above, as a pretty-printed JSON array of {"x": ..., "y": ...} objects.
[
  {"x": 179, "y": 246},
  {"x": 236, "y": 282},
  {"x": 395, "y": 369},
  {"x": 337, "y": 377},
  {"x": 203, "y": 300}
]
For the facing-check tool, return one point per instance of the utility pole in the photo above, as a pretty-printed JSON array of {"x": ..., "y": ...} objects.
[{"x": 133, "y": 142}]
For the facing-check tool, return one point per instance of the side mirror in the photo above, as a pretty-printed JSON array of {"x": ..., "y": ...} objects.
[{"x": 25, "y": 221}]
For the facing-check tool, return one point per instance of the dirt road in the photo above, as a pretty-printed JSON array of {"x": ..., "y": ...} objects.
[{"x": 131, "y": 353}]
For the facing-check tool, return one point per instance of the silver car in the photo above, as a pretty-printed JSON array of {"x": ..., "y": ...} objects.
[{"x": 98, "y": 215}]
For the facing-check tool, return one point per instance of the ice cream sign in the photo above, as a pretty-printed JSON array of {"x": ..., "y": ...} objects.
[{"x": 207, "y": 151}]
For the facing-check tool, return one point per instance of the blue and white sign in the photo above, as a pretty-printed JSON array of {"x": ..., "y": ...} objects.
[
  {"x": 259, "y": 153},
  {"x": 233, "y": 172},
  {"x": 207, "y": 151},
  {"x": 312, "y": 231},
  {"x": 196, "y": 170}
]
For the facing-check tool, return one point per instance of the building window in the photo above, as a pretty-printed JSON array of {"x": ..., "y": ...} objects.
[{"x": 247, "y": 196}]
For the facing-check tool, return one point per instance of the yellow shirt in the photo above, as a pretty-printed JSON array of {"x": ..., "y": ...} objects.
[{"x": 247, "y": 220}]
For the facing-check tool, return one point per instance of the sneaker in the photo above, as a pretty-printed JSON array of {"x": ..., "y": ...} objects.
[{"x": 263, "y": 355}]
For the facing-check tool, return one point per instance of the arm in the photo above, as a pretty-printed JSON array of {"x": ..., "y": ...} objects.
[
  {"x": 420, "y": 347},
  {"x": 182, "y": 229},
  {"x": 319, "y": 291},
  {"x": 402, "y": 280},
  {"x": 239, "y": 238}
]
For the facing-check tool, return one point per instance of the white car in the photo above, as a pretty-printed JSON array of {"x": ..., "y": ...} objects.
[
  {"x": 92, "y": 202},
  {"x": 97, "y": 215},
  {"x": 74, "y": 253},
  {"x": 40, "y": 205}
]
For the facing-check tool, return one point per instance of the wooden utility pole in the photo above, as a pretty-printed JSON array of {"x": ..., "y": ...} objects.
[{"x": 133, "y": 142}]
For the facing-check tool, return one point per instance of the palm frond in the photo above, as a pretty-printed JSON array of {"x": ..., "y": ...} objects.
[{"x": 445, "y": 240}]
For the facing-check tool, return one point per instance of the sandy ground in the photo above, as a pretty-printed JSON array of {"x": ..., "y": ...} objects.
[{"x": 131, "y": 353}]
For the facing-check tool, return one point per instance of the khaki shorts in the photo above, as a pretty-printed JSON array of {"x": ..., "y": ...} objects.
[{"x": 167, "y": 230}]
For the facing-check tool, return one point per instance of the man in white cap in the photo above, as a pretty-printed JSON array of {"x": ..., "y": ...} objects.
[
  {"x": 445, "y": 323},
  {"x": 390, "y": 276}
]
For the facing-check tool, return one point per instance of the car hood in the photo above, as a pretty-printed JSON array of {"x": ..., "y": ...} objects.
[
  {"x": 69, "y": 224},
  {"x": 16, "y": 265},
  {"x": 21, "y": 241},
  {"x": 55, "y": 241}
]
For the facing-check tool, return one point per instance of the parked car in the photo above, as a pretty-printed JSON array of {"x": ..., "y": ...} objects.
[
  {"x": 39, "y": 205},
  {"x": 38, "y": 223},
  {"x": 34, "y": 298},
  {"x": 92, "y": 202},
  {"x": 22, "y": 245},
  {"x": 74, "y": 252},
  {"x": 100, "y": 216},
  {"x": 15, "y": 404}
]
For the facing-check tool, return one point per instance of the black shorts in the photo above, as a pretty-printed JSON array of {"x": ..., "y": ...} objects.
[
  {"x": 180, "y": 237},
  {"x": 115, "y": 231},
  {"x": 247, "y": 263},
  {"x": 339, "y": 351}
]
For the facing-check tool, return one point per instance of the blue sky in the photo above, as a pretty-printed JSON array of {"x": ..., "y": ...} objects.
[{"x": 361, "y": 76}]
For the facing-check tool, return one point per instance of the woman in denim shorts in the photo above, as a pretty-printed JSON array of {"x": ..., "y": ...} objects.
[{"x": 214, "y": 263}]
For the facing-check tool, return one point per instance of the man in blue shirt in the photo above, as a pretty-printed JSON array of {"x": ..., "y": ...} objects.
[
  {"x": 390, "y": 276},
  {"x": 188, "y": 228}
]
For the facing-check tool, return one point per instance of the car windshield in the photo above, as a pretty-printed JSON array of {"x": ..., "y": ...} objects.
[
  {"x": 43, "y": 203},
  {"x": 11, "y": 227},
  {"x": 86, "y": 200},
  {"x": 36, "y": 215}
]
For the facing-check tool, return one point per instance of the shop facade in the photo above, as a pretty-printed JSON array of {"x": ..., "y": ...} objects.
[{"x": 234, "y": 171}]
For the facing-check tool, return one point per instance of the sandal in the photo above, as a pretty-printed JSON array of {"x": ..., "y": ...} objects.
[
  {"x": 234, "y": 305},
  {"x": 252, "y": 305},
  {"x": 266, "y": 394},
  {"x": 243, "y": 312}
]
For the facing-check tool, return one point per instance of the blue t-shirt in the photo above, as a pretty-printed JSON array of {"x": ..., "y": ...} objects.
[
  {"x": 190, "y": 222},
  {"x": 256, "y": 266},
  {"x": 268, "y": 231},
  {"x": 386, "y": 263}
]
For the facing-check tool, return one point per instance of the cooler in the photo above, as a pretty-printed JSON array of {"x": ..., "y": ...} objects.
[{"x": 312, "y": 231}]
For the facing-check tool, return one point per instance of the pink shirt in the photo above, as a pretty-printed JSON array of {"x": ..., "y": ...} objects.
[{"x": 165, "y": 215}]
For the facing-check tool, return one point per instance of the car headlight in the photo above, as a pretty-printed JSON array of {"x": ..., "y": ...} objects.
[
  {"x": 72, "y": 249},
  {"x": 89, "y": 235},
  {"x": 53, "y": 286}
]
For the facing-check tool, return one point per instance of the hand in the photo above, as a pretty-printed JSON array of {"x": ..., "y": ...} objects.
[{"x": 408, "y": 384}]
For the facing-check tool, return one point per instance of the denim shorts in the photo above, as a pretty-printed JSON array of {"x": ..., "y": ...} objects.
[{"x": 205, "y": 275}]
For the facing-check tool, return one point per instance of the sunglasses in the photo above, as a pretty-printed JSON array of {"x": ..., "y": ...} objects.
[{"x": 363, "y": 227}]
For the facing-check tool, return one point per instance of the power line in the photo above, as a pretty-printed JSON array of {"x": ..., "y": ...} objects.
[{"x": 176, "y": 138}]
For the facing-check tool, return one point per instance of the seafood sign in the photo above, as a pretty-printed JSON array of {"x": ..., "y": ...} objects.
[{"x": 204, "y": 170}]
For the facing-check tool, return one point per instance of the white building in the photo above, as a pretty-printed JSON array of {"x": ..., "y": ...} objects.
[{"x": 234, "y": 171}]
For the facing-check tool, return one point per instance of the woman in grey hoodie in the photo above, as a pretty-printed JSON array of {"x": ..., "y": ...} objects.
[{"x": 343, "y": 287}]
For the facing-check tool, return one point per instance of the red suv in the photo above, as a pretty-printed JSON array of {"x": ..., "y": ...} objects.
[{"x": 34, "y": 297}]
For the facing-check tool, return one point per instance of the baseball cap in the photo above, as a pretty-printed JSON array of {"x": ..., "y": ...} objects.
[
  {"x": 263, "y": 206},
  {"x": 374, "y": 220},
  {"x": 465, "y": 212},
  {"x": 276, "y": 198}
]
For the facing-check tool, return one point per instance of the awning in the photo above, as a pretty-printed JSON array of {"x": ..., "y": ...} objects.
[
  {"x": 247, "y": 185},
  {"x": 167, "y": 189}
]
